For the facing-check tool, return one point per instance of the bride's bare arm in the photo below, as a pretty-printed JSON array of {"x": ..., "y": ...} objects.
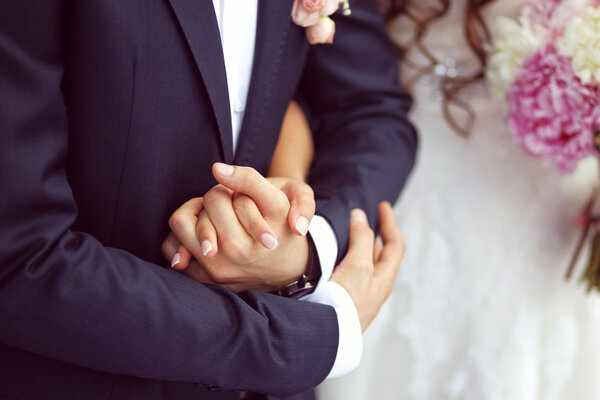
[{"x": 294, "y": 152}]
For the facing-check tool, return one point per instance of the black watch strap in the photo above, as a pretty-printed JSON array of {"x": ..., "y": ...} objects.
[{"x": 307, "y": 283}]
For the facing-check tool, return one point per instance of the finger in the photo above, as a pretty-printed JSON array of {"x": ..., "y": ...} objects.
[
  {"x": 269, "y": 199},
  {"x": 173, "y": 251},
  {"x": 207, "y": 235},
  {"x": 181, "y": 259},
  {"x": 361, "y": 237},
  {"x": 183, "y": 224},
  {"x": 253, "y": 222},
  {"x": 393, "y": 248},
  {"x": 169, "y": 246},
  {"x": 302, "y": 206},
  {"x": 219, "y": 206}
]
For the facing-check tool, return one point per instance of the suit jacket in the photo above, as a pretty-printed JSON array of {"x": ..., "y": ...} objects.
[{"x": 111, "y": 114}]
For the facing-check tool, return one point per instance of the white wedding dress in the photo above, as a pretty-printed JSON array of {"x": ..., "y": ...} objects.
[{"x": 480, "y": 309}]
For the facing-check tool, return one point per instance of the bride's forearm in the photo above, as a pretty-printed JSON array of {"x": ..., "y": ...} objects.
[{"x": 294, "y": 152}]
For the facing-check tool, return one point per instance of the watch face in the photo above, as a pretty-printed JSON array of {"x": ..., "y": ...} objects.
[
  {"x": 297, "y": 289},
  {"x": 302, "y": 292},
  {"x": 308, "y": 288}
]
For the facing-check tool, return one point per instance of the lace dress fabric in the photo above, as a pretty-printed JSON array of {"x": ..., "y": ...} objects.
[{"x": 480, "y": 309}]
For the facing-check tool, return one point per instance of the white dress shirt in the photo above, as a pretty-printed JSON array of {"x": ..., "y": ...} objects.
[{"x": 237, "y": 24}]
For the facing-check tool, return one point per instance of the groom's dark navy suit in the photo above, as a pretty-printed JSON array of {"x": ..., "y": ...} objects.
[{"x": 111, "y": 114}]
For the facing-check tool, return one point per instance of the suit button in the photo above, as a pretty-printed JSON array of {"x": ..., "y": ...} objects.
[
  {"x": 238, "y": 106},
  {"x": 209, "y": 387}
]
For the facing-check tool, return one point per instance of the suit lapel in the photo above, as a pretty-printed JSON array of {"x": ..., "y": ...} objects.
[
  {"x": 274, "y": 20},
  {"x": 198, "y": 22}
]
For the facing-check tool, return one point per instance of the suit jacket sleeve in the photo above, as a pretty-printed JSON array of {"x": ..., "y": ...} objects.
[
  {"x": 364, "y": 145},
  {"x": 65, "y": 296}
]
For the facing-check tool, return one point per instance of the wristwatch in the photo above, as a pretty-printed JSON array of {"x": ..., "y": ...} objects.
[{"x": 307, "y": 283}]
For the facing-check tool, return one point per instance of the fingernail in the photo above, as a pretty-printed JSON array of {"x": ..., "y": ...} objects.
[
  {"x": 175, "y": 260},
  {"x": 268, "y": 241},
  {"x": 224, "y": 169},
  {"x": 358, "y": 215},
  {"x": 206, "y": 247},
  {"x": 302, "y": 225}
]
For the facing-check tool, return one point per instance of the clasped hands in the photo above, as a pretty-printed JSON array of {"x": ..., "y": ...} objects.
[
  {"x": 248, "y": 232},
  {"x": 238, "y": 232}
]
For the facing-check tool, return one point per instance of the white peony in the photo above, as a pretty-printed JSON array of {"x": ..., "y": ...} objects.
[
  {"x": 513, "y": 42},
  {"x": 581, "y": 42}
]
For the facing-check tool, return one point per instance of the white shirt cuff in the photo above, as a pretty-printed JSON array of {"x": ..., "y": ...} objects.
[
  {"x": 323, "y": 237},
  {"x": 350, "y": 342}
]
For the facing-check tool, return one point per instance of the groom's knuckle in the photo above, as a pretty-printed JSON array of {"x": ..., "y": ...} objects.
[
  {"x": 241, "y": 204},
  {"x": 211, "y": 198},
  {"x": 176, "y": 220}
]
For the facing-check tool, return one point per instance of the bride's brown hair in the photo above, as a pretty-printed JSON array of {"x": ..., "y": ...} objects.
[{"x": 422, "y": 13}]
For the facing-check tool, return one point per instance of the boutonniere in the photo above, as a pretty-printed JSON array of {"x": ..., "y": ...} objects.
[{"x": 314, "y": 16}]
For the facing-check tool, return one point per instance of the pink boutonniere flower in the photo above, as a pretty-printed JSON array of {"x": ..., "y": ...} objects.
[{"x": 314, "y": 16}]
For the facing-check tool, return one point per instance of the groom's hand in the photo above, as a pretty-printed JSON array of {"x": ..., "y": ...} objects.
[
  {"x": 368, "y": 271},
  {"x": 246, "y": 219}
]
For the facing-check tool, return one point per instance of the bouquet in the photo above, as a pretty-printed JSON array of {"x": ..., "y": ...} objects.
[{"x": 545, "y": 67}]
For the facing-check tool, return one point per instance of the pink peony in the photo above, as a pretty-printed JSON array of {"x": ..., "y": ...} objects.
[
  {"x": 549, "y": 17},
  {"x": 552, "y": 114},
  {"x": 540, "y": 13}
]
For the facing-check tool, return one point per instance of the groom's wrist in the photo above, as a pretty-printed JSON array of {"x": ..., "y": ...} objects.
[{"x": 307, "y": 283}]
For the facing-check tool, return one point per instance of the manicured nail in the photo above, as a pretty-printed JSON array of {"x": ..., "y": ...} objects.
[
  {"x": 358, "y": 215},
  {"x": 224, "y": 169},
  {"x": 175, "y": 260},
  {"x": 268, "y": 241},
  {"x": 302, "y": 225},
  {"x": 206, "y": 247}
]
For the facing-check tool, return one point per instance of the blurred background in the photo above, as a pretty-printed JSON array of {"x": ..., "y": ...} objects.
[{"x": 480, "y": 309}]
